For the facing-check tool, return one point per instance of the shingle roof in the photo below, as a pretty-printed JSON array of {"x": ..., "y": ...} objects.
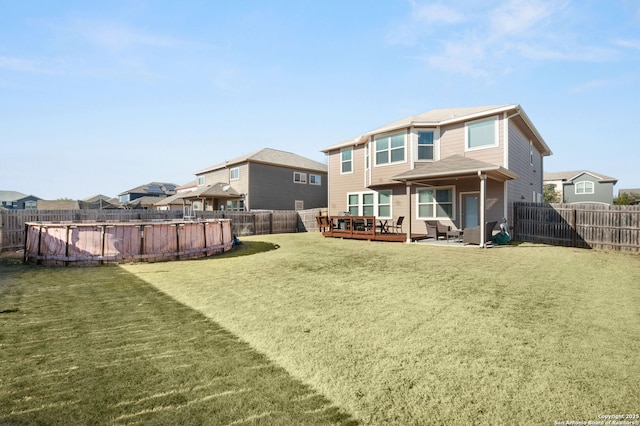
[
  {"x": 443, "y": 116},
  {"x": 274, "y": 157},
  {"x": 159, "y": 188},
  {"x": 571, "y": 175},
  {"x": 11, "y": 195},
  {"x": 455, "y": 165}
]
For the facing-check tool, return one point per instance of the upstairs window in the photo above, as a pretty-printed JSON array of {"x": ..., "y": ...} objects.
[
  {"x": 584, "y": 188},
  {"x": 346, "y": 160},
  {"x": 200, "y": 180},
  {"x": 425, "y": 145},
  {"x": 315, "y": 180},
  {"x": 299, "y": 177},
  {"x": 234, "y": 174},
  {"x": 390, "y": 149},
  {"x": 481, "y": 134}
]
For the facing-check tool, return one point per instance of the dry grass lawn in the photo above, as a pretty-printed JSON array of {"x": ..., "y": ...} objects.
[{"x": 416, "y": 334}]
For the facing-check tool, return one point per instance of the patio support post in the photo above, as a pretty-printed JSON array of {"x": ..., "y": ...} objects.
[
  {"x": 483, "y": 197},
  {"x": 408, "y": 184}
]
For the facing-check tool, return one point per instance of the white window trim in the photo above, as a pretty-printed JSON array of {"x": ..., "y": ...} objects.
[
  {"x": 435, "y": 188},
  {"x": 343, "y": 161},
  {"x": 302, "y": 178},
  {"x": 583, "y": 184},
  {"x": 531, "y": 153},
  {"x": 316, "y": 178},
  {"x": 376, "y": 202},
  {"x": 496, "y": 134},
  {"x": 200, "y": 180},
  {"x": 377, "y": 206},
  {"x": 436, "y": 143},
  {"x": 231, "y": 173},
  {"x": 374, "y": 151}
]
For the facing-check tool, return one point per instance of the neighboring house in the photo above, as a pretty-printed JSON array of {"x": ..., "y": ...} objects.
[
  {"x": 461, "y": 166},
  {"x": 102, "y": 202},
  {"x": 177, "y": 201},
  {"x": 17, "y": 200},
  {"x": 97, "y": 204},
  {"x": 582, "y": 186},
  {"x": 267, "y": 179},
  {"x": 632, "y": 193},
  {"x": 145, "y": 196}
]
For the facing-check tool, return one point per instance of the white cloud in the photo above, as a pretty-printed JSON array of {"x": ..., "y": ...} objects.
[
  {"x": 485, "y": 40},
  {"x": 628, "y": 43},
  {"x": 591, "y": 85},
  {"x": 115, "y": 36},
  {"x": 518, "y": 17},
  {"x": 436, "y": 13},
  {"x": 19, "y": 64}
]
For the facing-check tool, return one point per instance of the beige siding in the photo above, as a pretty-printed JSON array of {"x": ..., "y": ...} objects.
[
  {"x": 342, "y": 184},
  {"x": 452, "y": 142},
  {"x": 530, "y": 177},
  {"x": 220, "y": 175}
]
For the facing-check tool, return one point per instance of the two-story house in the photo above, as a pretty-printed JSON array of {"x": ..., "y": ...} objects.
[
  {"x": 461, "y": 166},
  {"x": 267, "y": 179},
  {"x": 15, "y": 200},
  {"x": 582, "y": 186}
]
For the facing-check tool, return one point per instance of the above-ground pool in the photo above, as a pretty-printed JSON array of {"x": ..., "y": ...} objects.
[{"x": 92, "y": 243}]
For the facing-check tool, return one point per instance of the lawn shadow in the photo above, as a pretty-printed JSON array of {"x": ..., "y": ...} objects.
[
  {"x": 104, "y": 346},
  {"x": 247, "y": 248}
]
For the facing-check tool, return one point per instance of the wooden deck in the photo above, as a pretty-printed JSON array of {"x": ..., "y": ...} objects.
[{"x": 362, "y": 228}]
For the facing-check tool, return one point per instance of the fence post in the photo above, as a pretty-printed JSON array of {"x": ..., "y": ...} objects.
[
  {"x": 574, "y": 232},
  {"x": 515, "y": 221}
]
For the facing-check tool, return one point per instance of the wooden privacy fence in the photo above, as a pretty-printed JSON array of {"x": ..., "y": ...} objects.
[
  {"x": 602, "y": 227},
  {"x": 12, "y": 222}
]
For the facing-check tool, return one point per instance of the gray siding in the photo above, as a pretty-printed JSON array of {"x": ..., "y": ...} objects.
[
  {"x": 603, "y": 191},
  {"x": 529, "y": 181},
  {"x": 273, "y": 188}
]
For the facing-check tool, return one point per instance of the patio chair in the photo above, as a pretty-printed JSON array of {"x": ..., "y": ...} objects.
[
  {"x": 436, "y": 229},
  {"x": 397, "y": 225},
  {"x": 472, "y": 235}
]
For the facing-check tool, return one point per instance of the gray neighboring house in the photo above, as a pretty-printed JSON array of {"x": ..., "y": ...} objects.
[
  {"x": 14, "y": 200},
  {"x": 267, "y": 179},
  {"x": 582, "y": 186}
]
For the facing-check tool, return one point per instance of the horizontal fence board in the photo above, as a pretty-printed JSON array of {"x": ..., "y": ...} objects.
[{"x": 602, "y": 227}]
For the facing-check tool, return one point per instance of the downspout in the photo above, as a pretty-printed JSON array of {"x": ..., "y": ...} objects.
[
  {"x": 505, "y": 191},
  {"x": 409, "y": 216},
  {"x": 483, "y": 191}
]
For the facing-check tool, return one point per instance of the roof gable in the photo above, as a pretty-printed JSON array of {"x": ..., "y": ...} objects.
[
  {"x": 272, "y": 157},
  {"x": 446, "y": 116},
  {"x": 570, "y": 176}
]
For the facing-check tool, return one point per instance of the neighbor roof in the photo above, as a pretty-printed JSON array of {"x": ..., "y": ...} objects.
[
  {"x": 159, "y": 188},
  {"x": 11, "y": 195},
  {"x": 444, "y": 116},
  {"x": 571, "y": 175},
  {"x": 273, "y": 157}
]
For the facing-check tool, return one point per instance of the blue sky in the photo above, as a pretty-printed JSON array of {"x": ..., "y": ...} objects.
[{"x": 100, "y": 97}]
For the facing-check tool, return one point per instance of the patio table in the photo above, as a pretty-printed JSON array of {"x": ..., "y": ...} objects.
[{"x": 383, "y": 225}]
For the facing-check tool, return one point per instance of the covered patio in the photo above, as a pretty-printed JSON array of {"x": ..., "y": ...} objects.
[
  {"x": 457, "y": 171},
  {"x": 213, "y": 197}
]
